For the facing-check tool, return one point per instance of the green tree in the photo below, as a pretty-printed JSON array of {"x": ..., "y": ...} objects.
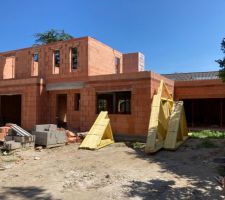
[
  {"x": 50, "y": 36},
  {"x": 222, "y": 62}
]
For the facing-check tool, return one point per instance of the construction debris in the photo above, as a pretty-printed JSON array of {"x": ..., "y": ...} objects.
[
  {"x": 4, "y": 132},
  {"x": 82, "y": 135},
  {"x": 167, "y": 126},
  {"x": 38, "y": 148},
  {"x": 16, "y": 138},
  {"x": 37, "y": 158},
  {"x": 12, "y": 145},
  {"x": 72, "y": 137},
  {"x": 100, "y": 134},
  {"x": 49, "y": 135},
  {"x": 20, "y": 131}
]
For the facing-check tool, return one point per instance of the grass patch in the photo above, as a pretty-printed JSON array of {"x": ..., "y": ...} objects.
[
  {"x": 207, "y": 134},
  {"x": 138, "y": 145},
  {"x": 206, "y": 143}
]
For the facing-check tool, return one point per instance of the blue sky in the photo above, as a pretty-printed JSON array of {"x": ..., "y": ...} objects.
[{"x": 174, "y": 35}]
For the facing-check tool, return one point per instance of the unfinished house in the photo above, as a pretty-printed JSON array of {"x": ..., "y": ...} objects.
[{"x": 69, "y": 82}]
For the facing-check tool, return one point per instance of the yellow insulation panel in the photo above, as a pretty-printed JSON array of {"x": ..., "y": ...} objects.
[
  {"x": 100, "y": 134},
  {"x": 167, "y": 125}
]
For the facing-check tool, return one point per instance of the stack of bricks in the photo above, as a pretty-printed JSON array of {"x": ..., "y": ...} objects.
[{"x": 3, "y": 132}]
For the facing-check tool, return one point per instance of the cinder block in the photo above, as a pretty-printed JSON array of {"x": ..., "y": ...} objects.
[
  {"x": 19, "y": 139},
  {"x": 12, "y": 145},
  {"x": 8, "y": 138},
  {"x": 28, "y": 144}
]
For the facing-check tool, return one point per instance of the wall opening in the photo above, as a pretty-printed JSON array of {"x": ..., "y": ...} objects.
[
  {"x": 77, "y": 101},
  {"x": 114, "y": 102},
  {"x": 9, "y": 68},
  {"x": 61, "y": 110},
  {"x": 117, "y": 65},
  {"x": 10, "y": 109},
  {"x": 35, "y": 61},
  {"x": 74, "y": 58},
  {"x": 56, "y": 61},
  {"x": 205, "y": 113}
]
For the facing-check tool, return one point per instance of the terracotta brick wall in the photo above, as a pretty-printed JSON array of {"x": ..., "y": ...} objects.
[
  {"x": 39, "y": 106},
  {"x": 31, "y": 108},
  {"x": 73, "y": 117},
  {"x": 197, "y": 89},
  {"x": 122, "y": 124},
  {"x": 24, "y": 60},
  {"x": 132, "y": 62},
  {"x": 101, "y": 58},
  {"x": 94, "y": 58},
  {"x": 140, "y": 84},
  {"x": 155, "y": 81},
  {"x": 65, "y": 69}
]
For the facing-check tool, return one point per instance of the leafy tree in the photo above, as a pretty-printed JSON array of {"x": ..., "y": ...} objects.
[
  {"x": 50, "y": 36},
  {"x": 222, "y": 62}
]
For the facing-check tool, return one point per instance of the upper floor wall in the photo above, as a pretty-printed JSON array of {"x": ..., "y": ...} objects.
[
  {"x": 102, "y": 59},
  {"x": 133, "y": 62},
  {"x": 66, "y": 58},
  {"x": 72, "y": 59}
]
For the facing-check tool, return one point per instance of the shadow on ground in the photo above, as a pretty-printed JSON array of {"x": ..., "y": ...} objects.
[
  {"x": 189, "y": 162},
  {"x": 34, "y": 193},
  {"x": 163, "y": 190}
]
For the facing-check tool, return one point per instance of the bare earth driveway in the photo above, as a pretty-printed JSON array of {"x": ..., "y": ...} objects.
[{"x": 114, "y": 172}]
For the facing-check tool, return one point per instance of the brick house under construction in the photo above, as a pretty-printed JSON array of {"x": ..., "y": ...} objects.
[{"x": 70, "y": 82}]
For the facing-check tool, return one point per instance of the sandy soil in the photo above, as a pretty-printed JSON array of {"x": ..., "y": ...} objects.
[{"x": 114, "y": 172}]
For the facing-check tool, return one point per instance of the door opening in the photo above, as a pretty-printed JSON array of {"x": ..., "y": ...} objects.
[{"x": 61, "y": 110}]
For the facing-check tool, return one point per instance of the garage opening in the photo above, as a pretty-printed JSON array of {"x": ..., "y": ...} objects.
[
  {"x": 10, "y": 109},
  {"x": 205, "y": 113},
  {"x": 61, "y": 114}
]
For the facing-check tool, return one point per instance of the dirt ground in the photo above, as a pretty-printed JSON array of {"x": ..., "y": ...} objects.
[{"x": 114, "y": 172}]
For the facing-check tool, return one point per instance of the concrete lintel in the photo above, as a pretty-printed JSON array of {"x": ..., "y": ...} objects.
[{"x": 64, "y": 86}]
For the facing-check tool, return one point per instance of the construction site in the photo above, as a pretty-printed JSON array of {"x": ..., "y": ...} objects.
[{"x": 81, "y": 120}]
